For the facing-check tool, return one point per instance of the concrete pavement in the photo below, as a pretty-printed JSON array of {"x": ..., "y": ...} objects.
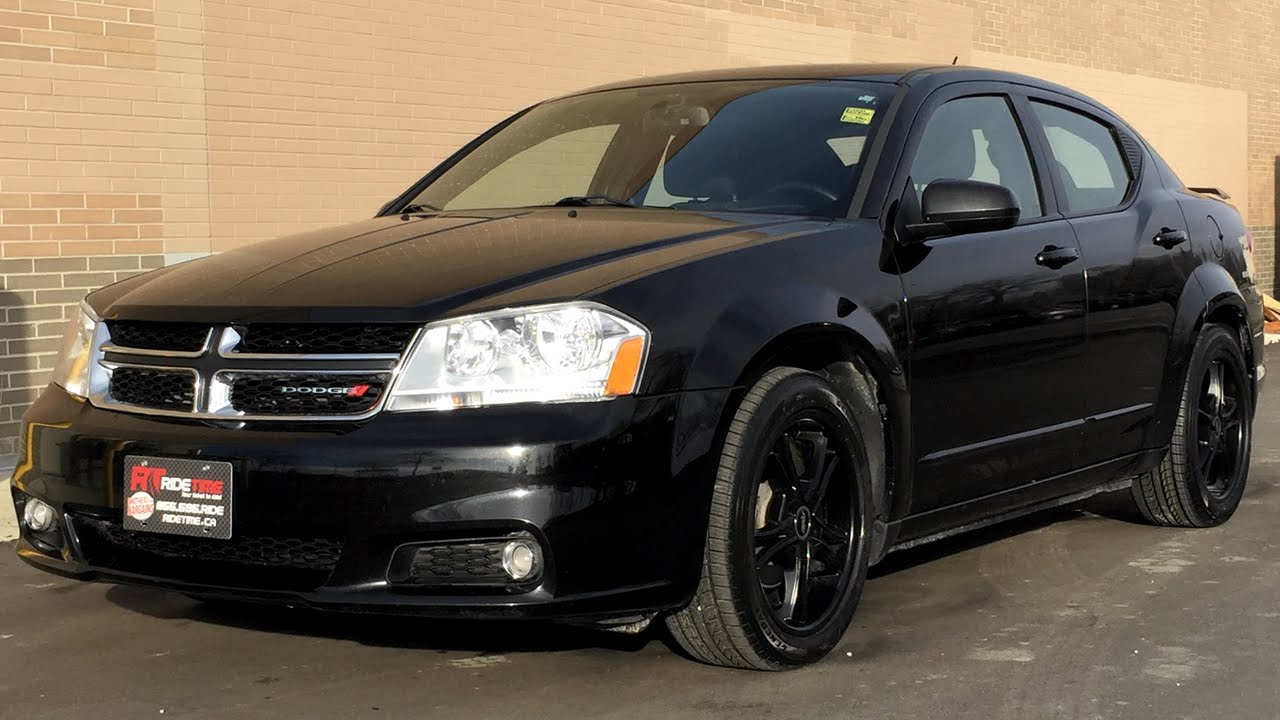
[{"x": 1075, "y": 613}]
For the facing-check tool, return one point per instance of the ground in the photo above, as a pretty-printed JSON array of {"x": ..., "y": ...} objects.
[{"x": 1075, "y": 613}]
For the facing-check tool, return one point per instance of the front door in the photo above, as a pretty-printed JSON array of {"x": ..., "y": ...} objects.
[{"x": 997, "y": 352}]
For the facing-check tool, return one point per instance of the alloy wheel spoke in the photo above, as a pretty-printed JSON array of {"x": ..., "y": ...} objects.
[
  {"x": 822, "y": 479},
  {"x": 1228, "y": 409},
  {"x": 812, "y": 446},
  {"x": 1215, "y": 386},
  {"x": 774, "y": 530},
  {"x": 787, "y": 540},
  {"x": 796, "y": 584},
  {"x": 828, "y": 535},
  {"x": 1206, "y": 461},
  {"x": 829, "y": 578},
  {"x": 782, "y": 458}
]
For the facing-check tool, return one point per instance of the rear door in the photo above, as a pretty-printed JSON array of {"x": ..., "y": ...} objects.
[
  {"x": 997, "y": 318},
  {"x": 1137, "y": 257}
]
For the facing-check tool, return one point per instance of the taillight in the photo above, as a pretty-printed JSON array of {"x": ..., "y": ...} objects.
[{"x": 1248, "y": 253}]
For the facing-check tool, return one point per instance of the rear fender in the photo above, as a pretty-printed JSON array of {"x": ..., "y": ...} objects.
[{"x": 1210, "y": 292}]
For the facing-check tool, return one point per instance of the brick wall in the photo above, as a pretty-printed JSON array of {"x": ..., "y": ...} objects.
[{"x": 135, "y": 132}]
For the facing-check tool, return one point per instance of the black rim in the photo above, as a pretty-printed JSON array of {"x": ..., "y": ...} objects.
[
  {"x": 805, "y": 514},
  {"x": 1220, "y": 427}
]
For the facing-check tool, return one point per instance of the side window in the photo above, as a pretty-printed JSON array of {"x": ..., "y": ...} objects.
[
  {"x": 977, "y": 138},
  {"x": 557, "y": 167},
  {"x": 1087, "y": 158}
]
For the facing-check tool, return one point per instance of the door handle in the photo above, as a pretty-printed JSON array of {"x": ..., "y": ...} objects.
[
  {"x": 1054, "y": 257},
  {"x": 1168, "y": 238}
]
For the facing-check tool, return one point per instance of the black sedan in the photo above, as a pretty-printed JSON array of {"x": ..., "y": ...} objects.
[{"x": 699, "y": 348}]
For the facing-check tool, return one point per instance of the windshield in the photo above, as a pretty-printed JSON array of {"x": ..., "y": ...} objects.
[{"x": 770, "y": 147}]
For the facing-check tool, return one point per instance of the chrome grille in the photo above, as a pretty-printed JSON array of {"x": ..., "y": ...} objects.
[{"x": 223, "y": 379}]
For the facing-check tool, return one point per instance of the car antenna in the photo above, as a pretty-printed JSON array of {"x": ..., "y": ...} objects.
[{"x": 955, "y": 59}]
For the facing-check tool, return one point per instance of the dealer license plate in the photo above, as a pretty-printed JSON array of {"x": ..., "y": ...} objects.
[{"x": 177, "y": 496}]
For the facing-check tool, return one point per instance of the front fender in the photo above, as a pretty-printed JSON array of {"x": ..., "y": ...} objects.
[
  {"x": 743, "y": 329},
  {"x": 782, "y": 318}
]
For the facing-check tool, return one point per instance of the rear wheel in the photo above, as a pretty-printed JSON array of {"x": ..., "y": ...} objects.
[
  {"x": 1201, "y": 480},
  {"x": 787, "y": 544}
]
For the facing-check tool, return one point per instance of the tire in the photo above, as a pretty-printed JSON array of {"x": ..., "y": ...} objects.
[
  {"x": 770, "y": 530},
  {"x": 1201, "y": 480}
]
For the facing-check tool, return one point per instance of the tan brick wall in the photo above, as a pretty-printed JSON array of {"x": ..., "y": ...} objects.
[
  {"x": 132, "y": 129},
  {"x": 102, "y": 163}
]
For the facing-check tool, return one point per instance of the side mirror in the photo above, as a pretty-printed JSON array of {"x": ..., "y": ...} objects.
[{"x": 957, "y": 207}]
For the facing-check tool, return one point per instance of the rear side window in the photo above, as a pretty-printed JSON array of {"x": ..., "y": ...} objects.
[{"x": 1087, "y": 159}]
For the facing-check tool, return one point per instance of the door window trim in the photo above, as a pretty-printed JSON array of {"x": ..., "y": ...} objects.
[
  {"x": 1045, "y": 97},
  {"x": 1032, "y": 137}
]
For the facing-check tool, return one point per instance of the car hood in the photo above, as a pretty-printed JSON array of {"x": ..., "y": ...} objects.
[{"x": 417, "y": 268}]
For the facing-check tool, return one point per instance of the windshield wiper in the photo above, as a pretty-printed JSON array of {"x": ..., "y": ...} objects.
[
  {"x": 588, "y": 200},
  {"x": 419, "y": 208}
]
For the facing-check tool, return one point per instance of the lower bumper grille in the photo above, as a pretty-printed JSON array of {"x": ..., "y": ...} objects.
[
  {"x": 250, "y": 562},
  {"x": 477, "y": 563},
  {"x": 457, "y": 563}
]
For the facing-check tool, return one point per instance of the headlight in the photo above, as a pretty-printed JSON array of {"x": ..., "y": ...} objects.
[
  {"x": 553, "y": 353},
  {"x": 78, "y": 350}
]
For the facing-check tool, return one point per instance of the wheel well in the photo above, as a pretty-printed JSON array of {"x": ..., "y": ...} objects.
[
  {"x": 847, "y": 361},
  {"x": 1234, "y": 318},
  {"x": 813, "y": 349}
]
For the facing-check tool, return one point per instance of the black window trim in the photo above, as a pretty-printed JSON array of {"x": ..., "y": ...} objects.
[
  {"x": 1032, "y": 136},
  {"x": 1032, "y": 95}
]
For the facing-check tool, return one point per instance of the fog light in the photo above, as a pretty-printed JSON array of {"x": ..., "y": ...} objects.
[
  {"x": 521, "y": 559},
  {"x": 38, "y": 516}
]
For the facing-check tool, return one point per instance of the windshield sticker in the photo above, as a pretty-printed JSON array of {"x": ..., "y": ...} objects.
[{"x": 857, "y": 115}]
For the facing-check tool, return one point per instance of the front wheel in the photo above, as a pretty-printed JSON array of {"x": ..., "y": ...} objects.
[
  {"x": 787, "y": 544},
  {"x": 1201, "y": 480}
]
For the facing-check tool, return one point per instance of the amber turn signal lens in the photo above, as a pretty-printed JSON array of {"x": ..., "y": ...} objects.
[{"x": 626, "y": 368}]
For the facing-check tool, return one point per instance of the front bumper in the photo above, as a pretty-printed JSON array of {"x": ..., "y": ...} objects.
[{"x": 615, "y": 493}]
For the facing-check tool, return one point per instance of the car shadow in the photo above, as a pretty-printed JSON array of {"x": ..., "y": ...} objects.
[
  {"x": 513, "y": 637},
  {"x": 1112, "y": 505},
  {"x": 390, "y": 631}
]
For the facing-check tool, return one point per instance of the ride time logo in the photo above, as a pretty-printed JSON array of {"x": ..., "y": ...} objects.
[{"x": 157, "y": 479}]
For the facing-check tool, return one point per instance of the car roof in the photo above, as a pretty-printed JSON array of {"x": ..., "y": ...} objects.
[
  {"x": 878, "y": 72},
  {"x": 905, "y": 73}
]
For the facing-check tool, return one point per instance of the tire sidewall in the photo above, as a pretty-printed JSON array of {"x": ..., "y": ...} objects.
[{"x": 790, "y": 397}]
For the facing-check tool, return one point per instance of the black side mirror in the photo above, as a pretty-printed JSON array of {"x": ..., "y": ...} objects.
[{"x": 957, "y": 207}]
